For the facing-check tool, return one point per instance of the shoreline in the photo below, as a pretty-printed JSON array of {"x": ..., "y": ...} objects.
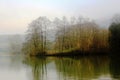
[{"x": 73, "y": 54}]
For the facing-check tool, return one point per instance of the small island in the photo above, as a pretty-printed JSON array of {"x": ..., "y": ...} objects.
[{"x": 71, "y": 37}]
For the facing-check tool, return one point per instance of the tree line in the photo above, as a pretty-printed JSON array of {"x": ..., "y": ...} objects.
[{"x": 73, "y": 34}]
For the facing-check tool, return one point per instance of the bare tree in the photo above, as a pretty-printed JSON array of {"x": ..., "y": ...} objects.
[
  {"x": 36, "y": 36},
  {"x": 71, "y": 35}
]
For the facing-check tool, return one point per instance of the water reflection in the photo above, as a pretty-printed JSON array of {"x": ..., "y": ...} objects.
[
  {"x": 84, "y": 68},
  {"x": 38, "y": 66},
  {"x": 115, "y": 67}
]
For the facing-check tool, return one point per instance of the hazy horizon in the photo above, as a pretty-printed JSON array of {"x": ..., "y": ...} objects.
[{"x": 17, "y": 14}]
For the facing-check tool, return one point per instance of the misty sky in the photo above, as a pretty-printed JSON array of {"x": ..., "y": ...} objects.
[{"x": 15, "y": 15}]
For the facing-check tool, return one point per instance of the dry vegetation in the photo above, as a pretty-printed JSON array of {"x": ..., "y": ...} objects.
[{"x": 75, "y": 34}]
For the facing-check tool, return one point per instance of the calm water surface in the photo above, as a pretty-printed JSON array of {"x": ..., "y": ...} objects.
[{"x": 54, "y": 68}]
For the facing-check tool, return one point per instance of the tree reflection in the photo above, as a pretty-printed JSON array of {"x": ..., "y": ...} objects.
[
  {"x": 115, "y": 67},
  {"x": 84, "y": 68},
  {"x": 38, "y": 67}
]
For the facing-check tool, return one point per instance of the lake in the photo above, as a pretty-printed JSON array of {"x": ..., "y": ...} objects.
[{"x": 57, "y": 68}]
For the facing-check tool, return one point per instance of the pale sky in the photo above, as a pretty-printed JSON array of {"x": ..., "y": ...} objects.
[{"x": 15, "y": 15}]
